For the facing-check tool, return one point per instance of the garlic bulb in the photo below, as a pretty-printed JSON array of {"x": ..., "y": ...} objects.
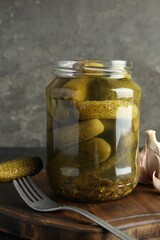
[{"x": 149, "y": 159}]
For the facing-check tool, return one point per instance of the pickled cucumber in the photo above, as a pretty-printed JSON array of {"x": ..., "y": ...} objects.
[
  {"x": 127, "y": 142},
  {"x": 65, "y": 112},
  {"x": 94, "y": 151},
  {"x": 79, "y": 132},
  {"x": 20, "y": 167},
  {"x": 76, "y": 89},
  {"x": 90, "y": 68},
  {"x": 117, "y": 89},
  {"x": 86, "y": 154},
  {"x": 109, "y": 132},
  {"x": 122, "y": 160},
  {"x": 109, "y": 109}
]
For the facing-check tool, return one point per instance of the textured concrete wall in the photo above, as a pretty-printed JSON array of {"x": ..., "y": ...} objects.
[{"x": 35, "y": 33}]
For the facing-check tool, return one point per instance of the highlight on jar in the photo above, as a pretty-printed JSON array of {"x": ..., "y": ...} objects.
[{"x": 93, "y": 110}]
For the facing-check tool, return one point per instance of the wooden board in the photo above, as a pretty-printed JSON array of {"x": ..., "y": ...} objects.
[{"x": 137, "y": 214}]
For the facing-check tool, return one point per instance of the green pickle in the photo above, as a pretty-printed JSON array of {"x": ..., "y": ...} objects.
[{"x": 93, "y": 131}]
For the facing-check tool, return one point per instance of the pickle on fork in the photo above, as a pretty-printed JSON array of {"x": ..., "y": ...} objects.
[{"x": 20, "y": 167}]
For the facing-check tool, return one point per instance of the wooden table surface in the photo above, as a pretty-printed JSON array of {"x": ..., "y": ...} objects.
[{"x": 137, "y": 214}]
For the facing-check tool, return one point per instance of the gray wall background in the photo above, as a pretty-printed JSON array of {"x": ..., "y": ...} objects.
[{"x": 35, "y": 33}]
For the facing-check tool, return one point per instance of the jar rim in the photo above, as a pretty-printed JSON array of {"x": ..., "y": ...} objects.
[{"x": 92, "y": 67}]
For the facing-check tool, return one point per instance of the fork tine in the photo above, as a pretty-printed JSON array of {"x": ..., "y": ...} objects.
[
  {"x": 35, "y": 188},
  {"x": 25, "y": 194}
]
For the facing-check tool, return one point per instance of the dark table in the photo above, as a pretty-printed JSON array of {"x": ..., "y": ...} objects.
[{"x": 138, "y": 214}]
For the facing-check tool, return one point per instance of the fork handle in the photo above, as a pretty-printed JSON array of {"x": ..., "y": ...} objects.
[{"x": 99, "y": 221}]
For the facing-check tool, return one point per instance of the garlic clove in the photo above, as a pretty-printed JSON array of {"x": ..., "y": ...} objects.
[
  {"x": 147, "y": 159},
  {"x": 153, "y": 147},
  {"x": 156, "y": 182},
  {"x": 158, "y": 158},
  {"x": 156, "y": 179},
  {"x": 143, "y": 176}
]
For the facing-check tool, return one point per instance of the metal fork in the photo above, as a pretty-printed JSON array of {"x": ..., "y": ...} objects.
[{"x": 38, "y": 201}]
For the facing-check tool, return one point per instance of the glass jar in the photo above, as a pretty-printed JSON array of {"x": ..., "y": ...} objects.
[{"x": 92, "y": 130}]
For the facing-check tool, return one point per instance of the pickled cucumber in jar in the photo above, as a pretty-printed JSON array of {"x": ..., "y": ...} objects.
[{"x": 92, "y": 130}]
